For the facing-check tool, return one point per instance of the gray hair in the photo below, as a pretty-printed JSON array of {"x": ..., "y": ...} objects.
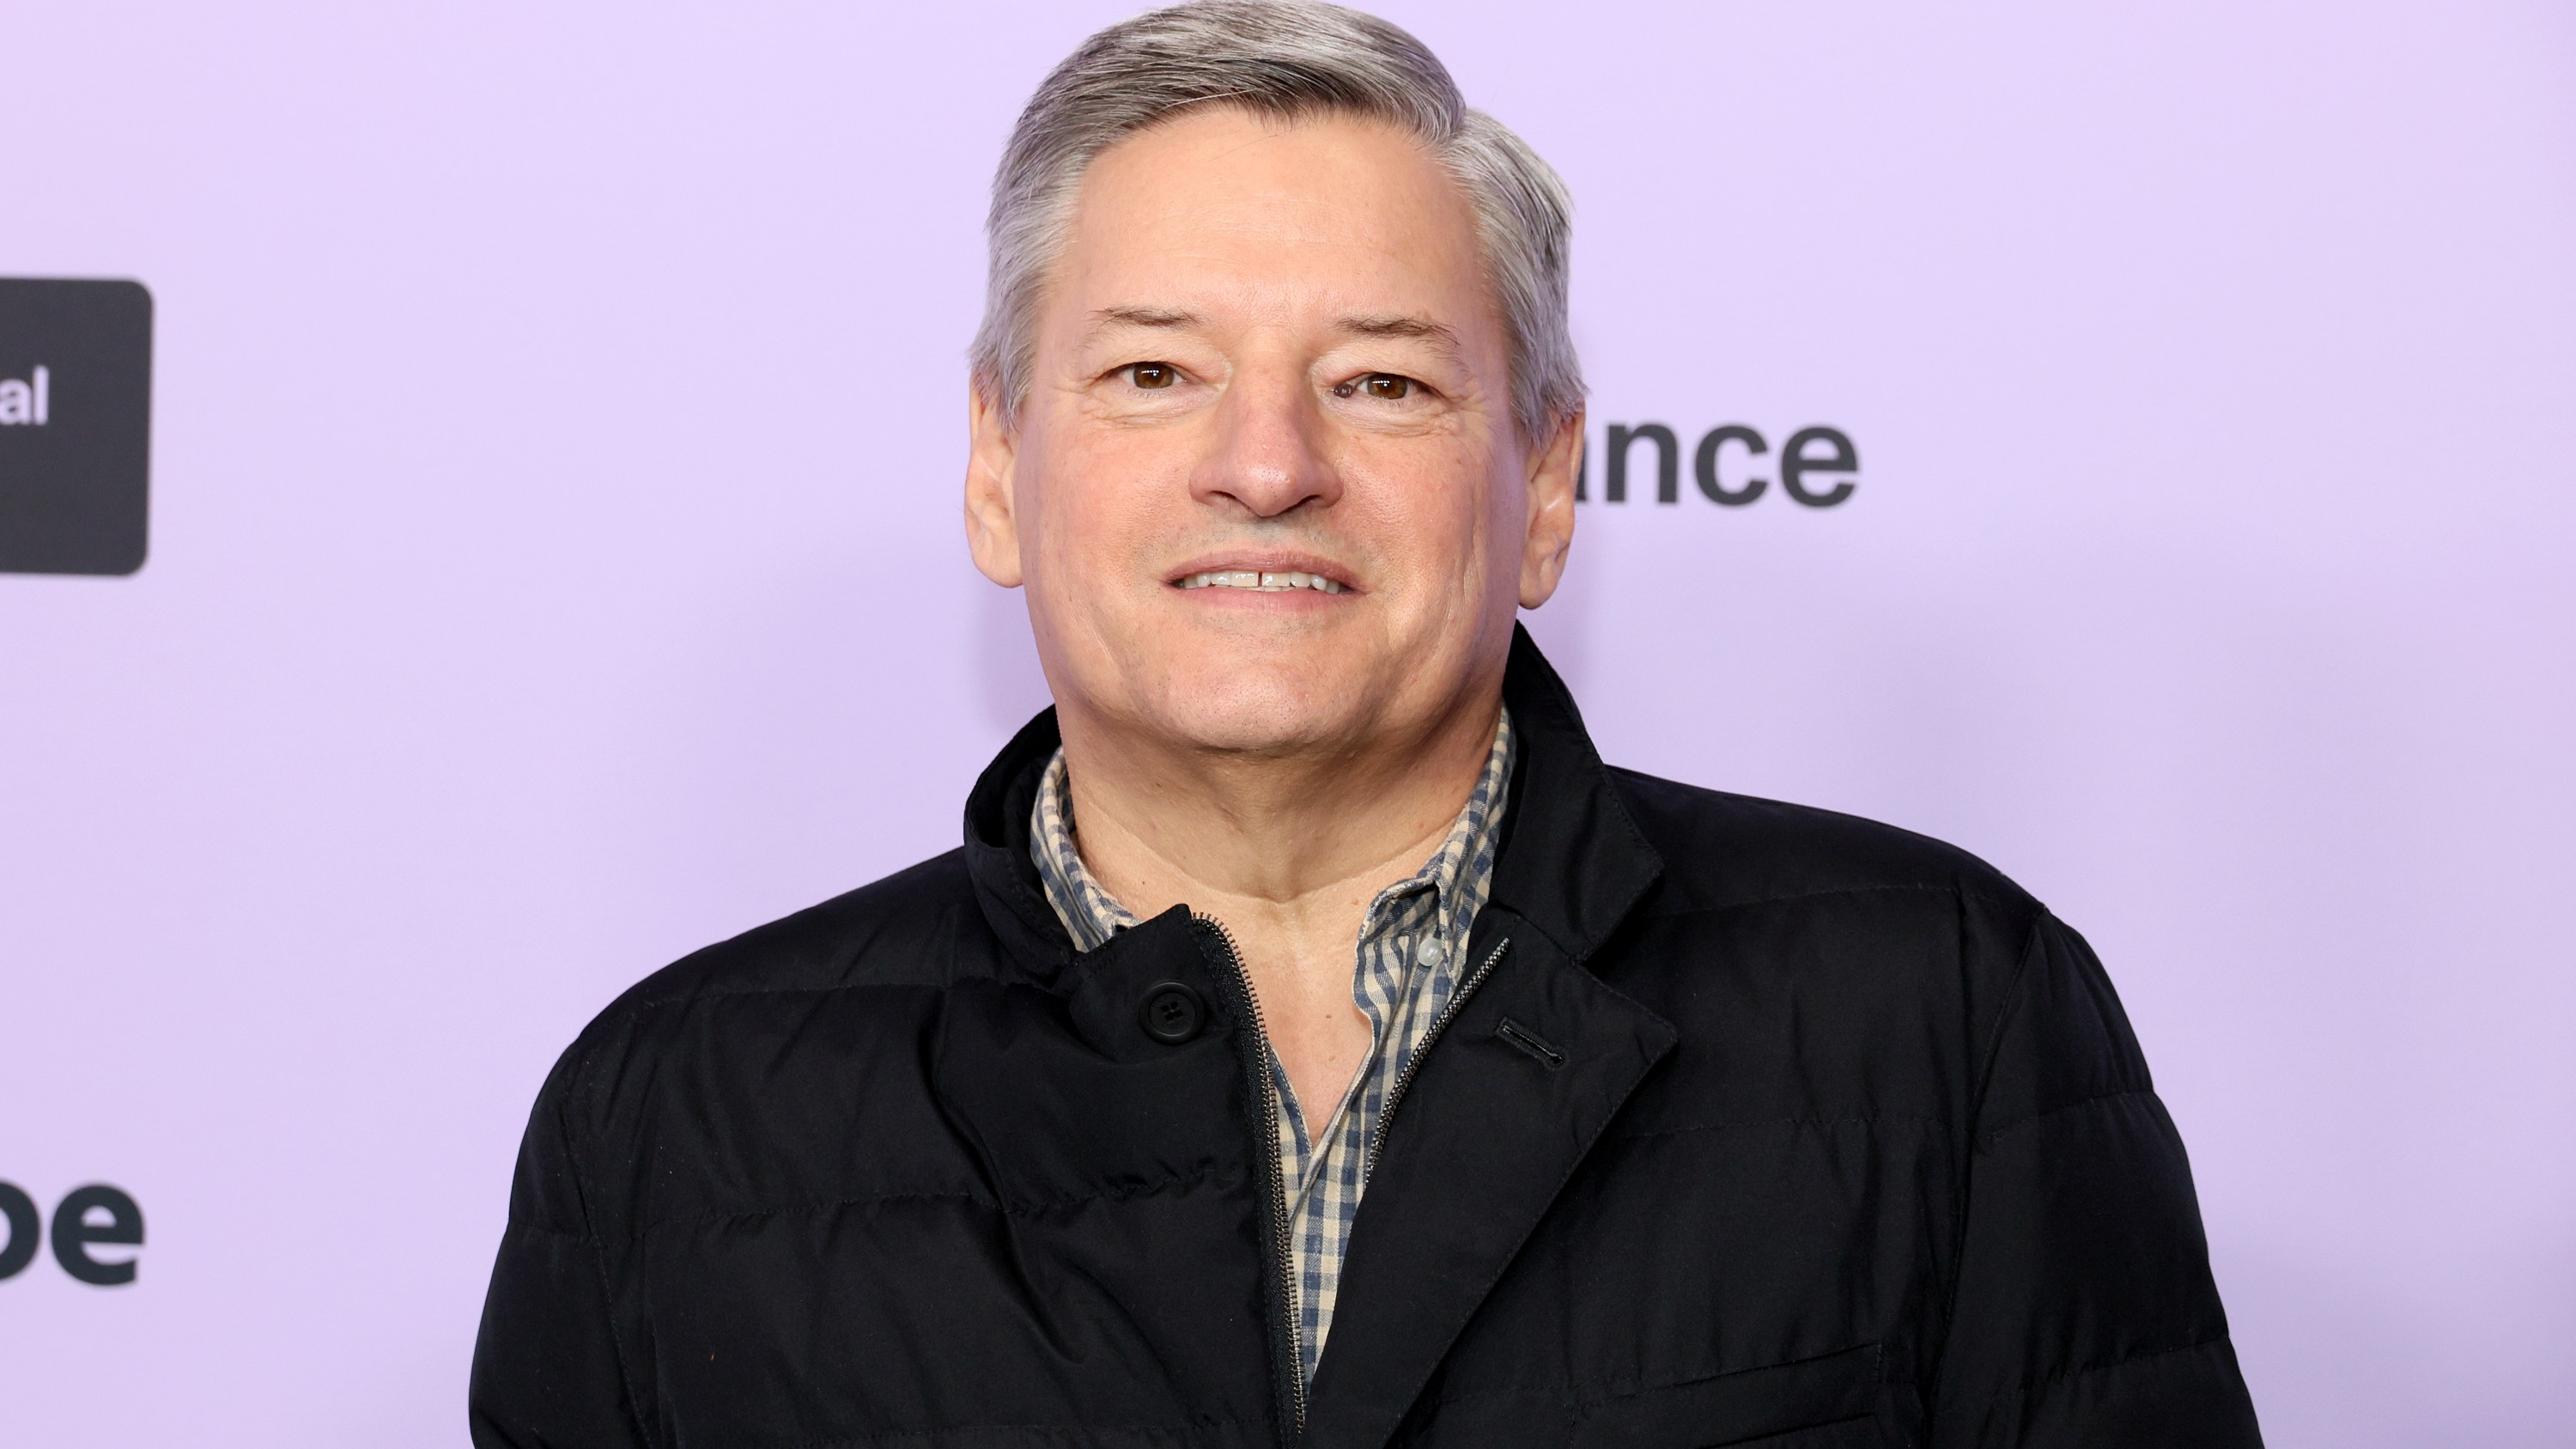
[{"x": 1288, "y": 60}]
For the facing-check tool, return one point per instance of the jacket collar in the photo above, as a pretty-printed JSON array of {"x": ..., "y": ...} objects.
[
  {"x": 1571, "y": 863},
  {"x": 1006, "y": 880}
]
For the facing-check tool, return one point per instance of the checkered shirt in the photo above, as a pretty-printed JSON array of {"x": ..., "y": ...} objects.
[{"x": 1411, "y": 960}]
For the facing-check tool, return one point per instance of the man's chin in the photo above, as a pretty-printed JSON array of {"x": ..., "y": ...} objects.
[
  {"x": 1256, "y": 732},
  {"x": 1260, "y": 708}
]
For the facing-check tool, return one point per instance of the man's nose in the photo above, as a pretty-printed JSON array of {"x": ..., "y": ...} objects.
[{"x": 1268, "y": 457}]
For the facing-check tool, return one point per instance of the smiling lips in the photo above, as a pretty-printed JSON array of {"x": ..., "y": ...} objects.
[{"x": 1263, "y": 581}]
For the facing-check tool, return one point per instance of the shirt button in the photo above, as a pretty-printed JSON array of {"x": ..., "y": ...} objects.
[{"x": 1173, "y": 1012}]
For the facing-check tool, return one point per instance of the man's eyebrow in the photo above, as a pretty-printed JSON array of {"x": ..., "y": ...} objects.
[
  {"x": 1437, "y": 334},
  {"x": 1162, "y": 317}
]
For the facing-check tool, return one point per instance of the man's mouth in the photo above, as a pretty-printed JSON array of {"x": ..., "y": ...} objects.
[{"x": 1262, "y": 581}]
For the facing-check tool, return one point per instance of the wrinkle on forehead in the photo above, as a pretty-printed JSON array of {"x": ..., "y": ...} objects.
[{"x": 1170, "y": 319}]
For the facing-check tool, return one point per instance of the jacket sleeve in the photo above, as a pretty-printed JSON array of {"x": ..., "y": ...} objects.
[
  {"x": 546, "y": 1369},
  {"x": 2084, "y": 1314}
]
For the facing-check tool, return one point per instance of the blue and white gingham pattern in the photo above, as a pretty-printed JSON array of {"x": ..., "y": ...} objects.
[{"x": 1411, "y": 958}]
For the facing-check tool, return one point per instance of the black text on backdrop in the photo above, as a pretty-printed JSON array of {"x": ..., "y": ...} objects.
[
  {"x": 94, "y": 1214},
  {"x": 1817, "y": 466}
]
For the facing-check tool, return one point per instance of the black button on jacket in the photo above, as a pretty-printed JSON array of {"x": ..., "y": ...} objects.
[{"x": 1767, "y": 1126}]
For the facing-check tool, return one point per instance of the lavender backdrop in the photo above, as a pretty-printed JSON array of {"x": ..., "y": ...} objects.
[{"x": 556, "y": 567}]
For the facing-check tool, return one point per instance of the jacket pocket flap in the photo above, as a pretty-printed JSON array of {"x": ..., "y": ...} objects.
[{"x": 1738, "y": 1408}]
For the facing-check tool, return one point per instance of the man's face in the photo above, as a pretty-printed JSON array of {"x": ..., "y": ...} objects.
[{"x": 1265, "y": 491}]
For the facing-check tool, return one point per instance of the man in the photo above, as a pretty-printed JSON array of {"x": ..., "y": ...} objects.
[{"x": 1313, "y": 1042}]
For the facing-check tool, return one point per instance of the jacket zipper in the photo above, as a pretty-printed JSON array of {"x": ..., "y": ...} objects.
[
  {"x": 1288, "y": 1370},
  {"x": 1404, "y": 1079}
]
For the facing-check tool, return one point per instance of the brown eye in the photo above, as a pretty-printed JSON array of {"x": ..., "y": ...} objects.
[
  {"x": 1382, "y": 386},
  {"x": 1152, "y": 375}
]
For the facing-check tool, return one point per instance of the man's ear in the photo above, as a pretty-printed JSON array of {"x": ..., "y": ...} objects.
[
  {"x": 992, "y": 527},
  {"x": 1552, "y": 470}
]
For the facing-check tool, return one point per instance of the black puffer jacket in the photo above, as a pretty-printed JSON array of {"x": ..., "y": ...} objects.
[{"x": 1806, "y": 1132}]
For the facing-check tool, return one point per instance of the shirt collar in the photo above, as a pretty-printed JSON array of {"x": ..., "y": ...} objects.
[{"x": 1460, "y": 873}]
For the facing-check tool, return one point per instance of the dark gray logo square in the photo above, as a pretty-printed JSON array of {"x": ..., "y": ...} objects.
[{"x": 75, "y": 425}]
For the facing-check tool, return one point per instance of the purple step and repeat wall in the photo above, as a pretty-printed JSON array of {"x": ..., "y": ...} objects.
[{"x": 555, "y": 565}]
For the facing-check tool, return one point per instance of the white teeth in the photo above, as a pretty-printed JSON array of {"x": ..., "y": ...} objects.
[{"x": 1265, "y": 582}]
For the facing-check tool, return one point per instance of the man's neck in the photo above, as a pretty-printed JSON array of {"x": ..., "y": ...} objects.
[
  {"x": 1265, "y": 843},
  {"x": 1286, "y": 851}
]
